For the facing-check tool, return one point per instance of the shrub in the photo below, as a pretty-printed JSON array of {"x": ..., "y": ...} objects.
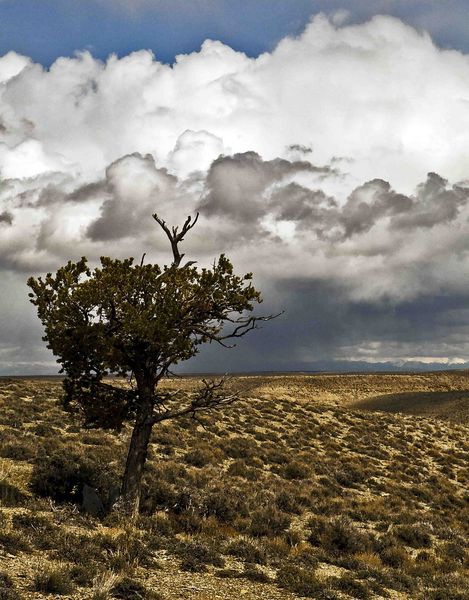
[
  {"x": 240, "y": 447},
  {"x": 124, "y": 552},
  {"x": 130, "y": 589},
  {"x": 187, "y": 522},
  {"x": 62, "y": 475},
  {"x": 454, "y": 551},
  {"x": 394, "y": 556},
  {"x": 247, "y": 551},
  {"x": 158, "y": 525},
  {"x": 157, "y": 495},
  {"x": 288, "y": 502},
  {"x": 203, "y": 455},
  {"x": 39, "y": 529},
  {"x": 5, "y": 581},
  {"x": 299, "y": 581},
  {"x": 317, "y": 527},
  {"x": 10, "y": 495},
  {"x": 7, "y": 589},
  {"x": 350, "y": 476},
  {"x": 223, "y": 503},
  {"x": 196, "y": 555},
  {"x": 416, "y": 536},
  {"x": 292, "y": 537},
  {"x": 78, "y": 549},
  {"x": 83, "y": 575},
  {"x": 268, "y": 521},
  {"x": 277, "y": 456},
  {"x": 227, "y": 573},
  {"x": 45, "y": 430},
  {"x": 14, "y": 542},
  {"x": 238, "y": 468},
  {"x": 53, "y": 580},
  {"x": 103, "y": 585},
  {"x": 339, "y": 536},
  {"x": 253, "y": 573},
  {"x": 18, "y": 451},
  {"x": 296, "y": 470},
  {"x": 445, "y": 593},
  {"x": 352, "y": 587}
]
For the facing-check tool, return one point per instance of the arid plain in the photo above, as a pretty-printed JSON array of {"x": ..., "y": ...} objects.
[{"x": 317, "y": 486}]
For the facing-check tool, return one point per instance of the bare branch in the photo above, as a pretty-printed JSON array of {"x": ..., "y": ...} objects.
[
  {"x": 175, "y": 236},
  {"x": 210, "y": 396},
  {"x": 243, "y": 326}
]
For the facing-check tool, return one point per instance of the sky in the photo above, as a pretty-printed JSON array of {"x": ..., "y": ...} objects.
[{"x": 325, "y": 145}]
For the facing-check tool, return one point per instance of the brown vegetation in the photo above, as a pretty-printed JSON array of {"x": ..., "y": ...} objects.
[{"x": 294, "y": 493}]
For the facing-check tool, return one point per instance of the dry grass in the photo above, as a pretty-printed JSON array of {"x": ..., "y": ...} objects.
[{"x": 325, "y": 486}]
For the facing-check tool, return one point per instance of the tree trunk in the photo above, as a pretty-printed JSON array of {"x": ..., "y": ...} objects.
[{"x": 138, "y": 450}]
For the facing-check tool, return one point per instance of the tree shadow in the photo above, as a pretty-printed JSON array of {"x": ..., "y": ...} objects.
[{"x": 452, "y": 405}]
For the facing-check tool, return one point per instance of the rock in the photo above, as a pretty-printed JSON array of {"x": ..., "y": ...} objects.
[{"x": 92, "y": 503}]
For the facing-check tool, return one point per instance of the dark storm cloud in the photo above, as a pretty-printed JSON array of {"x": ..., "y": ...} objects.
[
  {"x": 87, "y": 192},
  {"x": 368, "y": 203},
  {"x": 246, "y": 189},
  {"x": 434, "y": 204},
  {"x": 242, "y": 197},
  {"x": 323, "y": 329},
  {"x": 6, "y": 217},
  {"x": 310, "y": 210},
  {"x": 235, "y": 185},
  {"x": 52, "y": 194}
]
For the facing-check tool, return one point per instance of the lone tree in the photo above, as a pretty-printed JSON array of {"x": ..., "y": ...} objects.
[{"x": 138, "y": 321}]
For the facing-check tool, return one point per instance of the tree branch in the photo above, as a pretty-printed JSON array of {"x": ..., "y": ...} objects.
[
  {"x": 243, "y": 326},
  {"x": 210, "y": 396},
  {"x": 176, "y": 237}
]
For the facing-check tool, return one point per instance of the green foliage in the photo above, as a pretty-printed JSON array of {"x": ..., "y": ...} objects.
[{"x": 123, "y": 317}]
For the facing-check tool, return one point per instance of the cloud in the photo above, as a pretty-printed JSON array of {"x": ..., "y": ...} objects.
[
  {"x": 6, "y": 217},
  {"x": 374, "y": 93},
  {"x": 236, "y": 185},
  {"x": 334, "y": 167}
]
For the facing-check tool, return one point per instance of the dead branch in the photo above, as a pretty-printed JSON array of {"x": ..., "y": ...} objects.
[
  {"x": 243, "y": 326},
  {"x": 175, "y": 237},
  {"x": 208, "y": 397}
]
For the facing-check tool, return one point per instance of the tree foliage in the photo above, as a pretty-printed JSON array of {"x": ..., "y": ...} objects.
[{"x": 123, "y": 318}]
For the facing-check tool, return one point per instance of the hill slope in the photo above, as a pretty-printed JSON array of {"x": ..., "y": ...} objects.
[{"x": 301, "y": 489}]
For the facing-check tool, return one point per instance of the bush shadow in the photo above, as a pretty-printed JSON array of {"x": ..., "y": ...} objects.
[{"x": 452, "y": 405}]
